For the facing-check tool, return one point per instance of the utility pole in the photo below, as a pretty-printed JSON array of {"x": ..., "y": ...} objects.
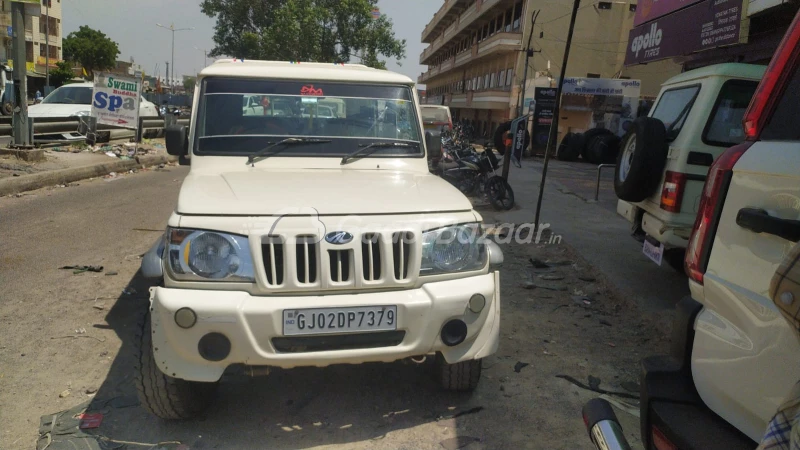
[
  {"x": 20, "y": 118},
  {"x": 166, "y": 79},
  {"x": 173, "y": 30},
  {"x": 551, "y": 140},
  {"x": 47, "y": 47},
  {"x": 205, "y": 56}
]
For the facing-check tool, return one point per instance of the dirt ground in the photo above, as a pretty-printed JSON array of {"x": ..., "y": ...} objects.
[{"x": 560, "y": 320}]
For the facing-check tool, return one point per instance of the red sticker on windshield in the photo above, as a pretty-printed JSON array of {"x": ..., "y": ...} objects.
[{"x": 310, "y": 90}]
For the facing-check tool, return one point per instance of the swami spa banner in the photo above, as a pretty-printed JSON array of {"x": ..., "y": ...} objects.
[{"x": 708, "y": 24}]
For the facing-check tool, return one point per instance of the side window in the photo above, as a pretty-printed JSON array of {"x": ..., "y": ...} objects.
[
  {"x": 783, "y": 125},
  {"x": 724, "y": 127},
  {"x": 673, "y": 107}
]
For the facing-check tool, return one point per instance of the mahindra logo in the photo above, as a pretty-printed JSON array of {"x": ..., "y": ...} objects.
[
  {"x": 647, "y": 40},
  {"x": 338, "y": 237}
]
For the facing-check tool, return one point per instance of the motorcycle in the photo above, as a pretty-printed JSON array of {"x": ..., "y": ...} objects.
[{"x": 471, "y": 172}]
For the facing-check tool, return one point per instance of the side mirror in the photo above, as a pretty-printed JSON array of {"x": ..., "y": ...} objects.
[
  {"x": 433, "y": 144},
  {"x": 177, "y": 140}
]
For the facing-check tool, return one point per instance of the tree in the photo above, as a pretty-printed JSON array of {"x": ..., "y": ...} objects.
[
  {"x": 62, "y": 73},
  {"x": 91, "y": 48},
  {"x": 189, "y": 83},
  {"x": 303, "y": 30}
]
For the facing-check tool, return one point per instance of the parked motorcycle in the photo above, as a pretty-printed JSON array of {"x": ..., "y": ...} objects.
[{"x": 473, "y": 172}]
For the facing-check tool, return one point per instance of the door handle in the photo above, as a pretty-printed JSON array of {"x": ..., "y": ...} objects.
[{"x": 759, "y": 221}]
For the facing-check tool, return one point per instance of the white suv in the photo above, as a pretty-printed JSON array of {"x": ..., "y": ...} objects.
[
  {"x": 308, "y": 238},
  {"x": 734, "y": 357},
  {"x": 664, "y": 158}
]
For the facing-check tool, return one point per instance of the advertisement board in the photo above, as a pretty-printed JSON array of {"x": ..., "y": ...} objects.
[
  {"x": 708, "y": 24},
  {"x": 545, "y": 98},
  {"x": 115, "y": 100}
]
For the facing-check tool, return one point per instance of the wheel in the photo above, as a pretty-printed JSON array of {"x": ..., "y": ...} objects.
[
  {"x": 566, "y": 149},
  {"x": 641, "y": 159},
  {"x": 458, "y": 377},
  {"x": 162, "y": 395},
  {"x": 7, "y": 108},
  {"x": 675, "y": 257},
  {"x": 500, "y": 194},
  {"x": 589, "y": 137}
]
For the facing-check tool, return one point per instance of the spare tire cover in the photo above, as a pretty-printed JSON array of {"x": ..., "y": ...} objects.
[{"x": 641, "y": 160}]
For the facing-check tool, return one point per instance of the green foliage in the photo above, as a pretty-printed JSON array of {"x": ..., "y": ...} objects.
[
  {"x": 61, "y": 74},
  {"x": 303, "y": 30},
  {"x": 189, "y": 83},
  {"x": 91, "y": 48}
]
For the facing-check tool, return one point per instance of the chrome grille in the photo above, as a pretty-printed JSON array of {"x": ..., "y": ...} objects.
[{"x": 273, "y": 257}]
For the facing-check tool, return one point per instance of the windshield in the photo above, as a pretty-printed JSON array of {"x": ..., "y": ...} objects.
[
  {"x": 435, "y": 115},
  {"x": 73, "y": 95},
  {"x": 347, "y": 114}
]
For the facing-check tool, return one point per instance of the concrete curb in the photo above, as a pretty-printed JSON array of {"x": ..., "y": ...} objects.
[{"x": 63, "y": 176}]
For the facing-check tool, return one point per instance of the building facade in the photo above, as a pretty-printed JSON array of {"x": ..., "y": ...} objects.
[
  {"x": 476, "y": 54},
  {"x": 43, "y": 36}
]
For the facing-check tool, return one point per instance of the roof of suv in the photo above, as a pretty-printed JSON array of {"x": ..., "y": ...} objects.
[
  {"x": 731, "y": 70},
  {"x": 303, "y": 71}
]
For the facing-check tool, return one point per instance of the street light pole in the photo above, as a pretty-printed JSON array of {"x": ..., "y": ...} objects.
[
  {"x": 205, "y": 55},
  {"x": 172, "y": 28}
]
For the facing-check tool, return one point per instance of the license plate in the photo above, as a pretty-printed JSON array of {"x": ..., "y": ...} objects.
[
  {"x": 339, "y": 320},
  {"x": 653, "y": 250}
]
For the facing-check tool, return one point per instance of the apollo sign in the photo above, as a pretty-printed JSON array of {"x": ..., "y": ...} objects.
[{"x": 649, "y": 42}]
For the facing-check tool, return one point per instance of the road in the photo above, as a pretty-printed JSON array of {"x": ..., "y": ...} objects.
[{"x": 66, "y": 340}]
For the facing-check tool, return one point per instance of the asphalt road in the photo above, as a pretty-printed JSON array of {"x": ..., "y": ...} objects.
[{"x": 67, "y": 340}]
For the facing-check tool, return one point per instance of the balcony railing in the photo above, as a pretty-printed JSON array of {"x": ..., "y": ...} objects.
[
  {"x": 444, "y": 11},
  {"x": 465, "y": 20}
]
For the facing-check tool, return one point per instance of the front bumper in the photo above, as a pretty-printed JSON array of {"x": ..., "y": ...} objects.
[{"x": 251, "y": 323}]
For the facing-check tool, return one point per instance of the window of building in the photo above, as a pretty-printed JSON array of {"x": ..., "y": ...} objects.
[
  {"x": 480, "y": 83},
  {"x": 48, "y": 3},
  {"x": 486, "y": 81},
  {"x": 517, "y": 15},
  {"x": 509, "y": 77},
  {"x": 509, "y": 18},
  {"x": 501, "y": 78},
  {"x": 592, "y": 75},
  {"x": 493, "y": 80},
  {"x": 29, "y": 51}
]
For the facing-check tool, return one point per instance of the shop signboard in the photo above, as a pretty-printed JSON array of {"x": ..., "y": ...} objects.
[
  {"x": 648, "y": 10},
  {"x": 709, "y": 24}
]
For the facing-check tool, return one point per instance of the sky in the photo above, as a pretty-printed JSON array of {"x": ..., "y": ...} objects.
[{"x": 132, "y": 24}]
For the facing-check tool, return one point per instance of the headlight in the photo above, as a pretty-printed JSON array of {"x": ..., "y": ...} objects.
[
  {"x": 207, "y": 255},
  {"x": 452, "y": 249}
]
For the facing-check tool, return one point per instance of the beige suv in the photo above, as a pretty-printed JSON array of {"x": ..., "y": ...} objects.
[{"x": 664, "y": 159}]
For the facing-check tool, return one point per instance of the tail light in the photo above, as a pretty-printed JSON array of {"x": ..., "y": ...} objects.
[
  {"x": 672, "y": 192},
  {"x": 660, "y": 442},
  {"x": 774, "y": 82},
  {"x": 705, "y": 226}
]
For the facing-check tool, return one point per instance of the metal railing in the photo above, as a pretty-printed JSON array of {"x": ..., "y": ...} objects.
[
  {"x": 597, "y": 186},
  {"x": 56, "y": 125}
]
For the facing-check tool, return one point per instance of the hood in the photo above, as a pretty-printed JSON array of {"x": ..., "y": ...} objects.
[
  {"x": 330, "y": 192},
  {"x": 56, "y": 109}
]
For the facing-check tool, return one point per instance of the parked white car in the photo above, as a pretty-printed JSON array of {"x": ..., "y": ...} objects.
[
  {"x": 663, "y": 160},
  {"x": 307, "y": 240},
  {"x": 75, "y": 100}
]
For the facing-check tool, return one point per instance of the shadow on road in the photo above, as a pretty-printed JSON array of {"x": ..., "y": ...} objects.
[{"x": 296, "y": 408}]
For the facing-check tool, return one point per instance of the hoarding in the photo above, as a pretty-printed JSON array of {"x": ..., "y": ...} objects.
[
  {"x": 709, "y": 24},
  {"x": 544, "y": 109},
  {"x": 115, "y": 100}
]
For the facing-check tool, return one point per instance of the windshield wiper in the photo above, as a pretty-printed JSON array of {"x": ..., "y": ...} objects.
[
  {"x": 265, "y": 152},
  {"x": 367, "y": 149}
]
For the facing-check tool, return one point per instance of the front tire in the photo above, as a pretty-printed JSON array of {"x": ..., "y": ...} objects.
[
  {"x": 458, "y": 377},
  {"x": 163, "y": 396},
  {"x": 500, "y": 194}
]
